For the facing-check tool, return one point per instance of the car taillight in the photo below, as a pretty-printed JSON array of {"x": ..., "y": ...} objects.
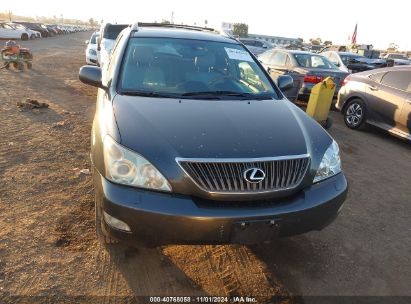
[
  {"x": 346, "y": 80},
  {"x": 313, "y": 79}
]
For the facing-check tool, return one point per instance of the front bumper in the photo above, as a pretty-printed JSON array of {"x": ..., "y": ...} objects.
[{"x": 160, "y": 218}]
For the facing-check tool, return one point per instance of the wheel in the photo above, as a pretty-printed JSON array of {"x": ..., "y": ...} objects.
[
  {"x": 29, "y": 65},
  {"x": 15, "y": 65},
  {"x": 20, "y": 66},
  {"x": 24, "y": 37},
  {"x": 7, "y": 66},
  {"x": 355, "y": 114},
  {"x": 103, "y": 238}
]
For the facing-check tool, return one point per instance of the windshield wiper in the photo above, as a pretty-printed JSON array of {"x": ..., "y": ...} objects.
[
  {"x": 229, "y": 94},
  {"x": 149, "y": 94},
  {"x": 217, "y": 93}
]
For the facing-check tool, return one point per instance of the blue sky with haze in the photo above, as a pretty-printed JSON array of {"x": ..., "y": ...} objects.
[{"x": 379, "y": 23}]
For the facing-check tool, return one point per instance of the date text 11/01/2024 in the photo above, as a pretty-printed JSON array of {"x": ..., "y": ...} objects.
[{"x": 203, "y": 299}]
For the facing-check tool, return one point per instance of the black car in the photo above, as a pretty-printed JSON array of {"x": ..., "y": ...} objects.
[
  {"x": 381, "y": 97},
  {"x": 192, "y": 142},
  {"x": 352, "y": 62},
  {"x": 36, "y": 27},
  {"x": 306, "y": 68}
]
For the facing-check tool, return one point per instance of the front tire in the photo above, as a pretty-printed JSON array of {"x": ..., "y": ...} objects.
[
  {"x": 24, "y": 37},
  {"x": 355, "y": 114}
]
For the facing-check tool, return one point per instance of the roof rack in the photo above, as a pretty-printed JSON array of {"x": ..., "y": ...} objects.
[{"x": 136, "y": 25}]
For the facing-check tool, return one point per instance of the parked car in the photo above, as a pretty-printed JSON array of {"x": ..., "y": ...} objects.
[
  {"x": 186, "y": 148},
  {"x": 36, "y": 27},
  {"x": 32, "y": 34},
  {"x": 91, "y": 50},
  {"x": 9, "y": 32},
  {"x": 380, "y": 97},
  {"x": 108, "y": 34},
  {"x": 353, "y": 63},
  {"x": 399, "y": 59},
  {"x": 256, "y": 46},
  {"x": 307, "y": 69}
]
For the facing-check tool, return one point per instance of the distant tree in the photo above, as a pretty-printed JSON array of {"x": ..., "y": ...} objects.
[
  {"x": 92, "y": 22},
  {"x": 315, "y": 41},
  {"x": 165, "y": 21},
  {"x": 240, "y": 29},
  {"x": 393, "y": 47},
  {"x": 10, "y": 14},
  {"x": 328, "y": 42},
  {"x": 300, "y": 41}
]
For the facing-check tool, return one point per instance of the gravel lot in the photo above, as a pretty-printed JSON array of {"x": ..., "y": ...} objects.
[{"x": 47, "y": 242}]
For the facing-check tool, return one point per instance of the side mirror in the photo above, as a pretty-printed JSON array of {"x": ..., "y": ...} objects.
[
  {"x": 285, "y": 82},
  {"x": 336, "y": 63},
  {"x": 91, "y": 75}
]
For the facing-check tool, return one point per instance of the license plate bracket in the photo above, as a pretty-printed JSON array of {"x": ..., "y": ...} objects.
[{"x": 248, "y": 232}]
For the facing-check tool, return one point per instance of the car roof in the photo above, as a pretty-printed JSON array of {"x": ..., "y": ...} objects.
[
  {"x": 350, "y": 54},
  {"x": 297, "y": 52},
  {"x": 181, "y": 33},
  {"x": 383, "y": 70}
]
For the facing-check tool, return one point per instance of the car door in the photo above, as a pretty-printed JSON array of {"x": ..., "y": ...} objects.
[
  {"x": 405, "y": 119},
  {"x": 277, "y": 64},
  {"x": 387, "y": 94},
  {"x": 4, "y": 32}
]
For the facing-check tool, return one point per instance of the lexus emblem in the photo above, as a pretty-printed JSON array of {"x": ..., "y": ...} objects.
[{"x": 254, "y": 175}]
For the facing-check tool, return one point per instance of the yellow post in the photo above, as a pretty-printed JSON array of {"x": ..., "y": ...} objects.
[{"x": 320, "y": 100}]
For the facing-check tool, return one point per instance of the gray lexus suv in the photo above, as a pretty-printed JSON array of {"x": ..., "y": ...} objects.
[{"x": 193, "y": 143}]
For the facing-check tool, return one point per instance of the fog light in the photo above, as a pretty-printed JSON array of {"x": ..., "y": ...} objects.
[{"x": 115, "y": 222}]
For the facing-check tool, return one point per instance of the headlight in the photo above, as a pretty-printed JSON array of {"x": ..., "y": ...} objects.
[
  {"x": 126, "y": 167},
  {"x": 92, "y": 52},
  {"x": 330, "y": 164}
]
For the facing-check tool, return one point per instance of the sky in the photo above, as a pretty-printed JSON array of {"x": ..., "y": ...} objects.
[{"x": 378, "y": 24}]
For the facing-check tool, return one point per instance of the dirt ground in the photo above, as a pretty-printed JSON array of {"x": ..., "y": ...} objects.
[{"x": 47, "y": 241}]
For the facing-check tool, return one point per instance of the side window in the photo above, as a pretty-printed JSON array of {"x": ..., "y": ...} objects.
[
  {"x": 397, "y": 79},
  {"x": 113, "y": 58},
  {"x": 265, "y": 57},
  {"x": 377, "y": 76},
  {"x": 333, "y": 58},
  {"x": 278, "y": 59},
  {"x": 258, "y": 44},
  {"x": 287, "y": 61}
]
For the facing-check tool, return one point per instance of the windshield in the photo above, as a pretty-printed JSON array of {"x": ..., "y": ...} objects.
[
  {"x": 351, "y": 59},
  {"x": 313, "y": 61},
  {"x": 397, "y": 56},
  {"x": 186, "y": 67},
  {"x": 112, "y": 31},
  {"x": 93, "y": 39}
]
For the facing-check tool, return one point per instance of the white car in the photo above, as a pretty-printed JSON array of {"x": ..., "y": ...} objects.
[
  {"x": 91, "y": 50},
  {"x": 32, "y": 34},
  {"x": 105, "y": 43},
  {"x": 9, "y": 32},
  {"x": 399, "y": 59}
]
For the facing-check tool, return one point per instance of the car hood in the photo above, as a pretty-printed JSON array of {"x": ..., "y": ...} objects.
[{"x": 163, "y": 128}]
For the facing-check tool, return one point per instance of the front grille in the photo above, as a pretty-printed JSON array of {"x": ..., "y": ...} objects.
[{"x": 227, "y": 176}]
